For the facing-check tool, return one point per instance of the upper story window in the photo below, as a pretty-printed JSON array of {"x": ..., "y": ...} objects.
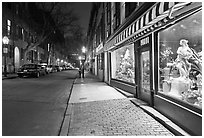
[
  {"x": 17, "y": 9},
  {"x": 98, "y": 35},
  {"x": 23, "y": 34},
  {"x": 8, "y": 27},
  {"x": 130, "y": 7},
  {"x": 19, "y": 32},
  {"x": 108, "y": 11},
  {"x": 116, "y": 15}
]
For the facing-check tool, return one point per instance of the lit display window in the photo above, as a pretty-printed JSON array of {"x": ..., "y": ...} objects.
[
  {"x": 122, "y": 64},
  {"x": 180, "y": 60}
]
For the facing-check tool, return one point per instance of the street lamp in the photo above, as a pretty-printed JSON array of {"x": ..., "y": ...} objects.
[
  {"x": 58, "y": 61},
  {"x": 5, "y": 51},
  {"x": 80, "y": 60},
  {"x": 79, "y": 57},
  {"x": 48, "y": 51},
  {"x": 84, "y": 53},
  {"x": 83, "y": 49}
]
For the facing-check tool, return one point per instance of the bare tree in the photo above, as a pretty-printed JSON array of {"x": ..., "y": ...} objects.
[{"x": 48, "y": 19}]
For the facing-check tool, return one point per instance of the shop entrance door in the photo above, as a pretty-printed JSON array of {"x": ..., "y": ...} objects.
[{"x": 144, "y": 75}]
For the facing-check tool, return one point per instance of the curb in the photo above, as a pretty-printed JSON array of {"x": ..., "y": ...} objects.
[
  {"x": 13, "y": 77},
  {"x": 64, "y": 129},
  {"x": 175, "y": 129}
]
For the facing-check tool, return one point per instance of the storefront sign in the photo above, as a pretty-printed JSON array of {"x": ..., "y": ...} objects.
[
  {"x": 144, "y": 41},
  {"x": 99, "y": 47},
  {"x": 139, "y": 27}
]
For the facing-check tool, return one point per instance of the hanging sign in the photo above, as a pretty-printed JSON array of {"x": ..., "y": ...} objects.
[
  {"x": 99, "y": 47},
  {"x": 144, "y": 41}
]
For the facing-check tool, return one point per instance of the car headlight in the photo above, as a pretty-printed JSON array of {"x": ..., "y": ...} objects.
[{"x": 19, "y": 69}]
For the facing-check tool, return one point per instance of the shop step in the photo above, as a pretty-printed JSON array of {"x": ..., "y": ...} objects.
[{"x": 127, "y": 94}]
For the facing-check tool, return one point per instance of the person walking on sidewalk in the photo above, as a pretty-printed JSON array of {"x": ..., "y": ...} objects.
[{"x": 81, "y": 71}]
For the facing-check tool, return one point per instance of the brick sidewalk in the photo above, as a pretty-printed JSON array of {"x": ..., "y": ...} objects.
[
  {"x": 112, "y": 118},
  {"x": 97, "y": 109}
]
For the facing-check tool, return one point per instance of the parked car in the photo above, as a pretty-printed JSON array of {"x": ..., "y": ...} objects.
[
  {"x": 63, "y": 67},
  {"x": 45, "y": 69},
  {"x": 48, "y": 68},
  {"x": 53, "y": 68},
  {"x": 67, "y": 67},
  {"x": 44, "y": 66},
  {"x": 34, "y": 70},
  {"x": 70, "y": 67},
  {"x": 58, "y": 68}
]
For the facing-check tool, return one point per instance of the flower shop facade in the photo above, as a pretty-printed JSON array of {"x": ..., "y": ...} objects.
[{"x": 157, "y": 57}]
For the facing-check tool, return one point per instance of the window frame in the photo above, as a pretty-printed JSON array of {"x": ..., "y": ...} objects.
[
  {"x": 177, "y": 101},
  {"x": 108, "y": 17},
  {"x": 111, "y": 67}
]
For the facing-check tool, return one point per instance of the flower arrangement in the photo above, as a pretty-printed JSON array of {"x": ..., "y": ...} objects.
[{"x": 165, "y": 56}]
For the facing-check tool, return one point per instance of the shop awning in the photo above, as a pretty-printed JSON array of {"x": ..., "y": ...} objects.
[{"x": 147, "y": 21}]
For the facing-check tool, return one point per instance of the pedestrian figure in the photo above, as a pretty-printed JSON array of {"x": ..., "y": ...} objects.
[{"x": 82, "y": 70}]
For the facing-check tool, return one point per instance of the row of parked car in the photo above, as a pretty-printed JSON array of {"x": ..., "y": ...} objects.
[{"x": 37, "y": 70}]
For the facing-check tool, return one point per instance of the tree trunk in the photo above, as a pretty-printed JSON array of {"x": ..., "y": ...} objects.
[
  {"x": 30, "y": 47},
  {"x": 25, "y": 57}
]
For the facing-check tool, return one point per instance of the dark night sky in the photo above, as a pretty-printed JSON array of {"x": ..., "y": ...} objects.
[{"x": 82, "y": 9}]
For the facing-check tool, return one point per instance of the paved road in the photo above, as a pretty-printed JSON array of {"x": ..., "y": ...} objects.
[{"x": 35, "y": 106}]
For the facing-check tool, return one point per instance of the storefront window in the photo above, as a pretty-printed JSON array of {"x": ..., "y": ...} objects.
[
  {"x": 122, "y": 63},
  {"x": 180, "y": 60},
  {"x": 101, "y": 61}
]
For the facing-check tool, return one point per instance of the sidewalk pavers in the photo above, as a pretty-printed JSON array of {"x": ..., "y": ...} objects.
[
  {"x": 96, "y": 109},
  {"x": 87, "y": 92},
  {"x": 111, "y": 118}
]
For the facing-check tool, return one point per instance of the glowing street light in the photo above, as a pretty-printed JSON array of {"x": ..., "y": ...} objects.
[
  {"x": 58, "y": 61},
  {"x": 5, "y": 40},
  {"x": 5, "y": 51},
  {"x": 80, "y": 58},
  {"x": 83, "y": 49},
  {"x": 84, "y": 54}
]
